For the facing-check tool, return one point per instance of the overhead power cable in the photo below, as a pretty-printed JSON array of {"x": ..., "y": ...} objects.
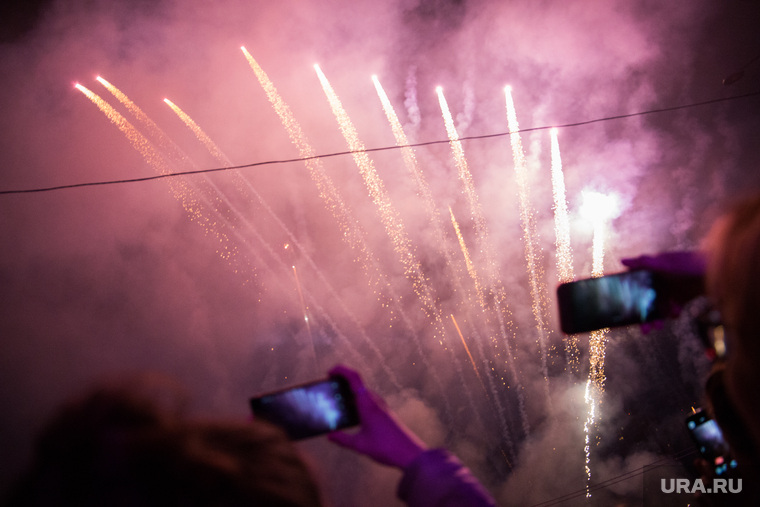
[
  {"x": 661, "y": 462},
  {"x": 371, "y": 150}
]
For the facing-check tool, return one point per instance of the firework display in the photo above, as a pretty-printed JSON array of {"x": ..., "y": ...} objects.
[{"x": 207, "y": 202}]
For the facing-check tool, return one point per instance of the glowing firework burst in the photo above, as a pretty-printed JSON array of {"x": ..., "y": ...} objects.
[{"x": 599, "y": 209}]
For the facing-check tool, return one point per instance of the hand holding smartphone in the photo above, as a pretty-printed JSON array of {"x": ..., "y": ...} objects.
[
  {"x": 710, "y": 442},
  {"x": 631, "y": 297},
  {"x": 310, "y": 409}
]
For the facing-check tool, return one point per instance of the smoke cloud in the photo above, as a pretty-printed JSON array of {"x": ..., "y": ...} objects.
[{"x": 212, "y": 278}]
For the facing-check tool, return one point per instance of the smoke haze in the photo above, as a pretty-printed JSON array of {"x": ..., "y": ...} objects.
[{"x": 199, "y": 276}]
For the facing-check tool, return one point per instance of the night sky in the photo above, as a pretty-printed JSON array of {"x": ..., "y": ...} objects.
[{"x": 208, "y": 277}]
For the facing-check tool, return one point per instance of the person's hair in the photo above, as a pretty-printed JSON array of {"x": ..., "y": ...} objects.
[
  {"x": 733, "y": 281},
  {"x": 117, "y": 447},
  {"x": 733, "y": 275}
]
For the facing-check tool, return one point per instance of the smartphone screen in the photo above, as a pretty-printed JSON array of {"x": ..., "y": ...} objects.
[
  {"x": 710, "y": 442},
  {"x": 309, "y": 409},
  {"x": 632, "y": 297}
]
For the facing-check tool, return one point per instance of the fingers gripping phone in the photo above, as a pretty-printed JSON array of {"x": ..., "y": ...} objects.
[
  {"x": 709, "y": 439},
  {"x": 309, "y": 409},
  {"x": 631, "y": 297}
]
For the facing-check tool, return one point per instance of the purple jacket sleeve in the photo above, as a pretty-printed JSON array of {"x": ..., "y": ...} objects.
[{"x": 438, "y": 479}]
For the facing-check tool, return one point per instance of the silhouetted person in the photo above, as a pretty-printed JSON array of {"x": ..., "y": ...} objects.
[
  {"x": 119, "y": 447},
  {"x": 732, "y": 271}
]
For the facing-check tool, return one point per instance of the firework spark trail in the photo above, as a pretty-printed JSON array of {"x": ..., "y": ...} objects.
[
  {"x": 423, "y": 188},
  {"x": 199, "y": 133},
  {"x": 410, "y": 161},
  {"x": 188, "y": 194},
  {"x": 161, "y": 139},
  {"x": 491, "y": 272},
  {"x": 466, "y": 177},
  {"x": 393, "y": 226},
  {"x": 530, "y": 236},
  {"x": 304, "y": 310},
  {"x": 351, "y": 230},
  {"x": 492, "y": 285},
  {"x": 476, "y": 281},
  {"x": 598, "y": 338},
  {"x": 562, "y": 242},
  {"x": 221, "y": 157},
  {"x": 599, "y": 208},
  {"x": 590, "y": 401},
  {"x": 139, "y": 142},
  {"x": 153, "y": 157},
  {"x": 561, "y": 220},
  {"x": 389, "y": 216},
  {"x": 467, "y": 349},
  {"x": 467, "y": 260}
]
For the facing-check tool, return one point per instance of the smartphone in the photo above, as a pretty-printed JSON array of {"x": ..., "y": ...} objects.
[
  {"x": 309, "y": 409},
  {"x": 710, "y": 442},
  {"x": 631, "y": 297}
]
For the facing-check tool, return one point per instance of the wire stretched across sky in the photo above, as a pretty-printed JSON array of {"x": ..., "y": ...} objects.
[{"x": 369, "y": 150}]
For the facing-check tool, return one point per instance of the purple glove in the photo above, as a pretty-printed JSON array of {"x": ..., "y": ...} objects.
[{"x": 381, "y": 435}]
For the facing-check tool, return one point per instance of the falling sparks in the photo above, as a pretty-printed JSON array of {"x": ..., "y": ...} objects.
[
  {"x": 562, "y": 241},
  {"x": 139, "y": 142},
  {"x": 481, "y": 320},
  {"x": 467, "y": 349},
  {"x": 600, "y": 209},
  {"x": 467, "y": 260},
  {"x": 391, "y": 220},
  {"x": 561, "y": 220},
  {"x": 199, "y": 133},
  {"x": 530, "y": 235},
  {"x": 590, "y": 401},
  {"x": 492, "y": 288},
  {"x": 351, "y": 231},
  {"x": 304, "y": 310},
  {"x": 409, "y": 159},
  {"x": 463, "y": 169},
  {"x": 161, "y": 139},
  {"x": 423, "y": 189},
  {"x": 327, "y": 190},
  {"x": 389, "y": 216}
]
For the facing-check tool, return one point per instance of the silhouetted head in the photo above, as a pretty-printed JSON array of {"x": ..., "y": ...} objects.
[
  {"x": 733, "y": 280},
  {"x": 119, "y": 447}
]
